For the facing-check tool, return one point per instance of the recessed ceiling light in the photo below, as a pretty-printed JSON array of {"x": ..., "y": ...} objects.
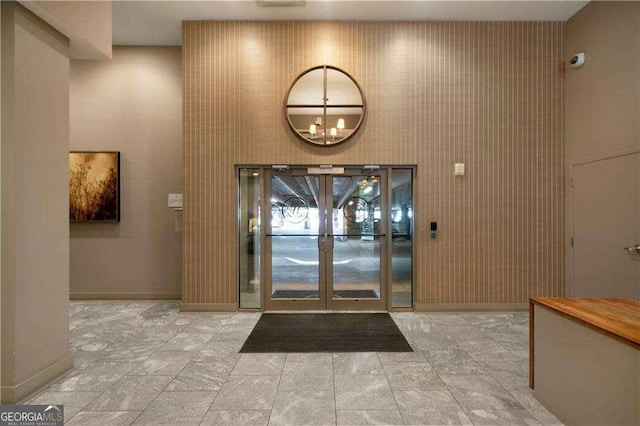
[{"x": 281, "y": 2}]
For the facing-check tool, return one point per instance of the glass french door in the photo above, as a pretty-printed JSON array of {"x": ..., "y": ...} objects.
[{"x": 325, "y": 239}]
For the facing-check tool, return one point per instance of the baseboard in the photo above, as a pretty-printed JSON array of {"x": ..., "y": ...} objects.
[
  {"x": 471, "y": 307},
  {"x": 208, "y": 307},
  {"x": 90, "y": 295},
  {"x": 13, "y": 394}
]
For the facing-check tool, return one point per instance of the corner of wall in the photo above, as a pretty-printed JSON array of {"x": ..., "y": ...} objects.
[
  {"x": 87, "y": 24},
  {"x": 34, "y": 318}
]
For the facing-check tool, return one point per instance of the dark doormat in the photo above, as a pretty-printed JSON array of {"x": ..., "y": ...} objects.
[
  {"x": 309, "y": 294},
  {"x": 356, "y": 332}
]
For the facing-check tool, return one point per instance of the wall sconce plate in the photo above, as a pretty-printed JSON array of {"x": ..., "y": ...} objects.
[{"x": 324, "y": 106}]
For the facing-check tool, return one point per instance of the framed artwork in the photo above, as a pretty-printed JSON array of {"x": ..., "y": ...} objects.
[{"x": 94, "y": 186}]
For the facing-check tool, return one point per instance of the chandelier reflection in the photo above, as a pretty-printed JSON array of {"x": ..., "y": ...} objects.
[
  {"x": 366, "y": 185},
  {"x": 317, "y": 130}
]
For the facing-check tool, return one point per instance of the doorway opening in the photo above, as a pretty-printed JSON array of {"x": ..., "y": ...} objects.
[{"x": 325, "y": 238}]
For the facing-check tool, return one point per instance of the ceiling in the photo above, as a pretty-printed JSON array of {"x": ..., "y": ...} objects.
[
  {"x": 158, "y": 23},
  {"x": 344, "y": 188}
]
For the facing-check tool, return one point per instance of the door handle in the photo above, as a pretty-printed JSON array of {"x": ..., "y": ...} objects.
[
  {"x": 322, "y": 243},
  {"x": 632, "y": 249}
]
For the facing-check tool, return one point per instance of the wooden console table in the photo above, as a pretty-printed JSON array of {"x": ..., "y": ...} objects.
[{"x": 584, "y": 359}]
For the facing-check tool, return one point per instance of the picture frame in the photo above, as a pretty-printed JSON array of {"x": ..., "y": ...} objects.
[{"x": 94, "y": 186}]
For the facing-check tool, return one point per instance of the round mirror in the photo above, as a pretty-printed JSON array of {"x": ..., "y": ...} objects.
[{"x": 324, "y": 105}]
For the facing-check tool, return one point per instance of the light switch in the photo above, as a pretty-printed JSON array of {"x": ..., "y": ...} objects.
[
  {"x": 458, "y": 169},
  {"x": 175, "y": 201}
]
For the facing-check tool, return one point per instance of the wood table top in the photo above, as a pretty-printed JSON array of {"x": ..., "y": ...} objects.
[{"x": 619, "y": 318}]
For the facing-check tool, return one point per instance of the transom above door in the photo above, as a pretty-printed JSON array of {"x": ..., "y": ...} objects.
[{"x": 325, "y": 239}]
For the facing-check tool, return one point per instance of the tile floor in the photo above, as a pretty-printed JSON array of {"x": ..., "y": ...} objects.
[{"x": 145, "y": 363}]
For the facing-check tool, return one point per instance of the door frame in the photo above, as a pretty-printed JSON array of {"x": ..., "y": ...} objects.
[
  {"x": 609, "y": 176},
  {"x": 325, "y": 258}
]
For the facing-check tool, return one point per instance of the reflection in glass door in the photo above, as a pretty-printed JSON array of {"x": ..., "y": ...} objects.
[
  {"x": 294, "y": 237},
  {"x": 356, "y": 240},
  {"x": 314, "y": 241},
  {"x": 325, "y": 240}
]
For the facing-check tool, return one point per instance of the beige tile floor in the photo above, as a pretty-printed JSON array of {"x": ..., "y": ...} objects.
[{"x": 145, "y": 363}]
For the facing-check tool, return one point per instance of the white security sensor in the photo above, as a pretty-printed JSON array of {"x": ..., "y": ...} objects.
[{"x": 577, "y": 60}]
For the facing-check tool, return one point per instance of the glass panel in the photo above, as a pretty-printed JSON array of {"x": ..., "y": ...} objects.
[
  {"x": 356, "y": 252},
  {"x": 308, "y": 90},
  {"x": 402, "y": 238},
  {"x": 341, "y": 90},
  {"x": 249, "y": 237},
  {"x": 309, "y": 122},
  {"x": 341, "y": 122},
  {"x": 294, "y": 244}
]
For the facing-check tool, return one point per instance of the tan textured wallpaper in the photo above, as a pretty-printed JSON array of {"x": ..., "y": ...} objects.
[{"x": 485, "y": 94}]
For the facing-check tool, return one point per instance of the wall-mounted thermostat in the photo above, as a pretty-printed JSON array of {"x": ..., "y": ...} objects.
[
  {"x": 458, "y": 169},
  {"x": 175, "y": 201}
]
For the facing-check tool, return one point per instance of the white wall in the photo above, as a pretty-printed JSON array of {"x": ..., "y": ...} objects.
[
  {"x": 86, "y": 23},
  {"x": 602, "y": 126},
  {"x": 131, "y": 104},
  {"x": 35, "y": 203}
]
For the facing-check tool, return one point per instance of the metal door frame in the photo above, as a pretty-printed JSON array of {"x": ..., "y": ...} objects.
[{"x": 325, "y": 256}]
